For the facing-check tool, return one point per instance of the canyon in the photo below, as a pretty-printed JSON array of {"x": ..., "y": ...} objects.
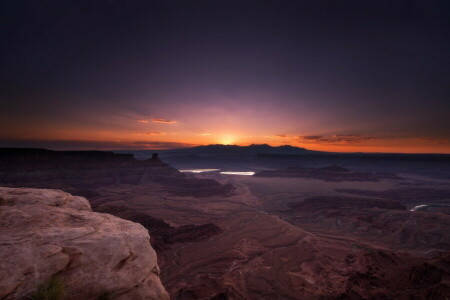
[{"x": 254, "y": 237}]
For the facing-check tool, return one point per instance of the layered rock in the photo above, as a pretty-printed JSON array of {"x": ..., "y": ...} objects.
[
  {"x": 46, "y": 168},
  {"x": 432, "y": 277},
  {"x": 46, "y": 232},
  {"x": 381, "y": 220},
  {"x": 413, "y": 195},
  {"x": 162, "y": 234},
  {"x": 77, "y": 171},
  {"x": 334, "y": 202}
]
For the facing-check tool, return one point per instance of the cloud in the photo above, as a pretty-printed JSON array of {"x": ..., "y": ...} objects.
[
  {"x": 204, "y": 134},
  {"x": 159, "y": 145},
  {"x": 154, "y": 133},
  {"x": 312, "y": 137},
  {"x": 150, "y": 133},
  {"x": 335, "y": 139},
  {"x": 142, "y": 121},
  {"x": 277, "y": 136},
  {"x": 350, "y": 138},
  {"x": 164, "y": 121}
]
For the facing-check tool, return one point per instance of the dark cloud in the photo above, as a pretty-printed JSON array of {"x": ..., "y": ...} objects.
[
  {"x": 311, "y": 137},
  {"x": 351, "y": 138},
  {"x": 335, "y": 139}
]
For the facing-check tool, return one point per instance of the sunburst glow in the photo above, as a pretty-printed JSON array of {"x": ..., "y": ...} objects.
[{"x": 227, "y": 140}]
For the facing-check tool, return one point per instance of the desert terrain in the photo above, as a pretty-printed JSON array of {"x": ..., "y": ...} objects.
[{"x": 357, "y": 235}]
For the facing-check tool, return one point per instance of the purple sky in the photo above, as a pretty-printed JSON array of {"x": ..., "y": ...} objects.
[{"x": 327, "y": 75}]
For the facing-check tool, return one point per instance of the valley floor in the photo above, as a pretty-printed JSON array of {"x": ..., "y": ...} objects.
[{"x": 268, "y": 248}]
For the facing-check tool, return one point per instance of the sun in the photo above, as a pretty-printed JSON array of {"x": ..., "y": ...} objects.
[{"x": 227, "y": 140}]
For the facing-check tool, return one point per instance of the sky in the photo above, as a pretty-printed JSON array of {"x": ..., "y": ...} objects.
[{"x": 346, "y": 76}]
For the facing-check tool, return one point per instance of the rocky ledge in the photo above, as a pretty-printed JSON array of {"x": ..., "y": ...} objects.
[{"x": 48, "y": 233}]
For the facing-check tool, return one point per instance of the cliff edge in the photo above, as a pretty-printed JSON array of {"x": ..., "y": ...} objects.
[{"x": 48, "y": 233}]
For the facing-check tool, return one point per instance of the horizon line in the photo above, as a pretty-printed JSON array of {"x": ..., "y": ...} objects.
[{"x": 112, "y": 149}]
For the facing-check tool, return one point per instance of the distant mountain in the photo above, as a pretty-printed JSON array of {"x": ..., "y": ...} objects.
[
  {"x": 252, "y": 149},
  {"x": 261, "y": 157},
  {"x": 218, "y": 149}
]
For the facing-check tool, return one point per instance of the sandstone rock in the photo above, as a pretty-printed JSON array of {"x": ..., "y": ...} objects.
[
  {"x": 46, "y": 197},
  {"x": 48, "y": 232},
  {"x": 162, "y": 234}
]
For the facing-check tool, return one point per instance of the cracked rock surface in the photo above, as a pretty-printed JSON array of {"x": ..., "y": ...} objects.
[{"x": 50, "y": 232}]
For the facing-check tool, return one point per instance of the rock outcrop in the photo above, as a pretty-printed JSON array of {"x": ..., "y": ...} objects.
[
  {"x": 47, "y": 232},
  {"x": 162, "y": 234},
  {"x": 82, "y": 171},
  {"x": 53, "y": 169}
]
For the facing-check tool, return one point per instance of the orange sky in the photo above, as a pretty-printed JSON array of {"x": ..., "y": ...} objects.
[
  {"x": 162, "y": 133},
  {"x": 212, "y": 118}
]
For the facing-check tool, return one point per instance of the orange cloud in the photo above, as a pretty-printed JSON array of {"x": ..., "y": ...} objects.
[
  {"x": 164, "y": 121},
  {"x": 204, "y": 134},
  {"x": 142, "y": 121},
  {"x": 278, "y": 136},
  {"x": 154, "y": 133}
]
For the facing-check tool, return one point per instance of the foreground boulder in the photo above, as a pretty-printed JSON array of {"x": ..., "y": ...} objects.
[{"x": 47, "y": 233}]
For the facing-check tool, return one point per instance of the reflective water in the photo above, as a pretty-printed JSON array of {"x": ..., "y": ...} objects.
[
  {"x": 199, "y": 170},
  {"x": 216, "y": 170},
  {"x": 417, "y": 207},
  {"x": 238, "y": 173}
]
